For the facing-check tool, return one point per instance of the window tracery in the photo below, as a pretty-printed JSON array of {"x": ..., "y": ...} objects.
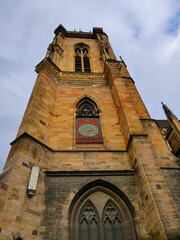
[
  {"x": 88, "y": 128},
  {"x": 87, "y": 108},
  {"x": 107, "y": 226},
  {"x": 82, "y": 62},
  {"x": 88, "y": 223},
  {"x": 100, "y": 214},
  {"x": 112, "y": 223}
]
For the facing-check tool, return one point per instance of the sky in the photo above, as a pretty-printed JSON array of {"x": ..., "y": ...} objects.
[{"x": 146, "y": 33}]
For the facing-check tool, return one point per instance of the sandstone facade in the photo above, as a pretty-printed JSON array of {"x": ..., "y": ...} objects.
[{"x": 132, "y": 169}]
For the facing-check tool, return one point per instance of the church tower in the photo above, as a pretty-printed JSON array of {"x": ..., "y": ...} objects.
[{"x": 88, "y": 162}]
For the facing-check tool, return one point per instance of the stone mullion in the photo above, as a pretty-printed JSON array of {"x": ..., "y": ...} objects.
[{"x": 82, "y": 61}]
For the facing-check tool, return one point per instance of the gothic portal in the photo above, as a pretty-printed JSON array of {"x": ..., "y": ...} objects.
[{"x": 88, "y": 162}]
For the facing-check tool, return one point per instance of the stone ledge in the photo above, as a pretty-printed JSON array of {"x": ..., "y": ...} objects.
[
  {"x": 26, "y": 135},
  {"x": 124, "y": 172}
]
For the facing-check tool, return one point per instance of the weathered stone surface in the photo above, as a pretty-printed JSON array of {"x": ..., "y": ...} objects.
[{"x": 132, "y": 167}]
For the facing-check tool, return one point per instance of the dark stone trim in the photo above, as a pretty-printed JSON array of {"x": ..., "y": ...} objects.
[
  {"x": 33, "y": 212},
  {"x": 34, "y": 232},
  {"x": 26, "y": 135},
  {"x": 80, "y": 34},
  {"x": 125, "y": 172},
  {"x": 148, "y": 119},
  {"x": 170, "y": 168}
]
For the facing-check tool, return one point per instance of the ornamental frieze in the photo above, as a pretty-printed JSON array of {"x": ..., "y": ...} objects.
[
  {"x": 79, "y": 77},
  {"x": 82, "y": 75}
]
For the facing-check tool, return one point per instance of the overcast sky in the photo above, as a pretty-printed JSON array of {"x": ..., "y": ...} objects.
[{"x": 146, "y": 33}]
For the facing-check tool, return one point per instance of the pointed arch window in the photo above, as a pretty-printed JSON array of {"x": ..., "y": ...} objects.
[
  {"x": 86, "y": 107},
  {"x": 99, "y": 216},
  {"x": 82, "y": 60},
  {"x": 112, "y": 223},
  {"x": 88, "y": 224},
  {"x": 88, "y": 127}
]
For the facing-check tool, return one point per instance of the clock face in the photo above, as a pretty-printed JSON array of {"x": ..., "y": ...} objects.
[{"x": 88, "y": 130}]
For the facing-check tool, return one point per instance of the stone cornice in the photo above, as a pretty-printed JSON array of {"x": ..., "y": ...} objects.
[
  {"x": 82, "y": 75},
  {"x": 49, "y": 65},
  {"x": 113, "y": 63},
  {"x": 80, "y": 34},
  {"x": 123, "y": 172},
  {"x": 79, "y": 77},
  {"x": 27, "y": 135}
]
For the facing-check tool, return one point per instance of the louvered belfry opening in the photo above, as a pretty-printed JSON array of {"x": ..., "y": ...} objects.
[
  {"x": 82, "y": 61},
  {"x": 87, "y": 65},
  {"x": 78, "y": 67}
]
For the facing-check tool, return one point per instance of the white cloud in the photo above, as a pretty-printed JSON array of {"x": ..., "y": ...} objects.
[{"x": 146, "y": 34}]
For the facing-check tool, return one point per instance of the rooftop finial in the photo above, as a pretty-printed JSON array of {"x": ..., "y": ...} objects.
[{"x": 167, "y": 111}]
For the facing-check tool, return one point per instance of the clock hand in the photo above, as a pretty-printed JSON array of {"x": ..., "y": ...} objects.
[
  {"x": 90, "y": 129},
  {"x": 87, "y": 132}
]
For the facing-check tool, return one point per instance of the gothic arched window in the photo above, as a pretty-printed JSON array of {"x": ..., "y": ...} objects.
[
  {"x": 88, "y": 223},
  {"x": 82, "y": 62},
  {"x": 88, "y": 128},
  {"x": 112, "y": 223},
  {"x": 100, "y": 214},
  {"x": 86, "y": 107}
]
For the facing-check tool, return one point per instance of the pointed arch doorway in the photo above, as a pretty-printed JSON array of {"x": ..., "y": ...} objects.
[{"x": 101, "y": 214}]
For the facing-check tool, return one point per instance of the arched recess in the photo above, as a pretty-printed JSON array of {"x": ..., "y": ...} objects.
[
  {"x": 114, "y": 212},
  {"x": 88, "y": 126}
]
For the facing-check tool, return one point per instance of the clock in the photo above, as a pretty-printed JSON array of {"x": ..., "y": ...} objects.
[{"x": 88, "y": 130}]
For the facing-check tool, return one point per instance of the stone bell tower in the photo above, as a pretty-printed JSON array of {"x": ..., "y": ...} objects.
[{"x": 88, "y": 162}]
